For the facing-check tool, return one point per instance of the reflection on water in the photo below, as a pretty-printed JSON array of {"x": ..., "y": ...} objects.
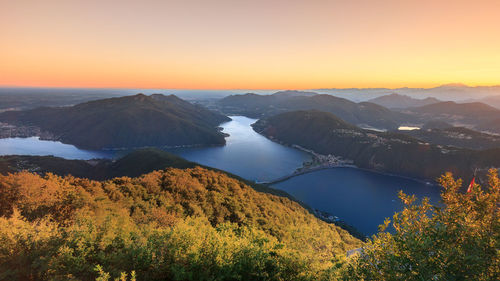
[
  {"x": 35, "y": 146},
  {"x": 361, "y": 198},
  {"x": 408, "y": 128},
  {"x": 247, "y": 154}
]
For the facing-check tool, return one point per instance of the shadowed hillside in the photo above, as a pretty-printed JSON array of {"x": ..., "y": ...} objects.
[
  {"x": 388, "y": 152},
  {"x": 456, "y": 136},
  {"x": 477, "y": 115},
  {"x": 364, "y": 113},
  {"x": 125, "y": 122},
  {"x": 134, "y": 164},
  {"x": 402, "y": 101}
]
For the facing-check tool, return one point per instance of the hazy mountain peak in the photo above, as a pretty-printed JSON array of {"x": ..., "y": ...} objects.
[
  {"x": 454, "y": 85},
  {"x": 294, "y": 93},
  {"x": 129, "y": 121},
  {"x": 396, "y": 100}
]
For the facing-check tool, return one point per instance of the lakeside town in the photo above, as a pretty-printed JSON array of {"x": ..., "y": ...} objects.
[
  {"x": 317, "y": 162},
  {"x": 13, "y": 131}
]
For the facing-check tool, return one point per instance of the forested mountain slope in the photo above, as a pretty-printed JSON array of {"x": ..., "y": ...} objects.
[
  {"x": 388, "y": 152},
  {"x": 364, "y": 113},
  {"x": 191, "y": 224},
  {"x": 125, "y": 122}
]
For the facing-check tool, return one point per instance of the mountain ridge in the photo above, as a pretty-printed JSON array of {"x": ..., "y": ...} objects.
[
  {"x": 474, "y": 114},
  {"x": 388, "y": 152},
  {"x": 402, "y": 101},
  {"x": 125, "y": 122},
  {"x": 258, "y": 106}
]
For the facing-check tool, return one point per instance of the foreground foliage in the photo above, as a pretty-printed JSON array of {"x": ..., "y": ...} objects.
[
  {"x": 458, "y": 241},
  {"x": 192, "y": 224},
  {"x": 197, "y": 224}
]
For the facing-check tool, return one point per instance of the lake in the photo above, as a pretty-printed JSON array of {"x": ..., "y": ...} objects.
[
  {"x": 35, "y": 146},
  {"x": 359, "y": 197},
  {"x": 247, "y": 153}
]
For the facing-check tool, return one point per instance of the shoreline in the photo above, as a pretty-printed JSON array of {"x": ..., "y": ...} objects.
[
  {"x": 315, "y": 154},
  {"x": 107, "y": 149},
  {"x": 285, "y": 178}
]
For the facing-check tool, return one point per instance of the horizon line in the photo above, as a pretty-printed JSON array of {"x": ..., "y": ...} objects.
[{"x": 242, "y": 89}]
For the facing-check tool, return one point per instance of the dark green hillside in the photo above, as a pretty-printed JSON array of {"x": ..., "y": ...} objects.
[
  {"x": 47, "y": 164},
  {"x": 388, "y": 152},
  {"x": 125, "y": 122},
  {"x": 363, "y": 113},
  {"x": 134, "y": 164}
]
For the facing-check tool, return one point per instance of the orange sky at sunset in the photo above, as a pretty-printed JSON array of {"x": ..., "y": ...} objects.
[{"x": 230, "y": 44}]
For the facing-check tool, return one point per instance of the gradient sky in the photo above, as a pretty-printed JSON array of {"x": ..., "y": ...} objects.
[{"x": 231, "y": 44}]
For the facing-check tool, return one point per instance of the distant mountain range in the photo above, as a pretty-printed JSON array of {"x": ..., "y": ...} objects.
[
  {"x": 447, "y": 92},
  {"x": 475, "y": 115},
  {"x": 389, "y": 152},
  {"x": 125, "y": 122},
  {"x": 492, "y": 101},
  {"x": 373, "y": 114},
  {"x": 402, "y": 101},
  {"x": 363, "y": 114}
]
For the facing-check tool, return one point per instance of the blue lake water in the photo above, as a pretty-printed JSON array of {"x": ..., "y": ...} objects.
[
  {"x": 247, "y": 154},
  {"x": 360, "y": 198},
  {"x": 35, "y": 146}
]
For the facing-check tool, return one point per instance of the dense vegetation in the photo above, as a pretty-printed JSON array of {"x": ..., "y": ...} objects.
[
  {"x": 125, "y": 122},
  {"x": 150, "y": 159},
  {"x": 197, "y": 224},
  {"x": 364, "y": 113},
  {"x": 133, "y": 164},
  {"x": 192, "y": 224},
  {"x": 459, "y": 240},
  {"x": 388, "y": 152}
]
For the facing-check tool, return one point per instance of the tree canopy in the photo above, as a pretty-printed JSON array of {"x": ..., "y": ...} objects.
[{"x": 458, "y": 240}]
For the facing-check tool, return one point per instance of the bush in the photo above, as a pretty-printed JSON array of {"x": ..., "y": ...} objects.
[
  {"x": 191, "y": 224},
  {"x": 459, "y": 240}
]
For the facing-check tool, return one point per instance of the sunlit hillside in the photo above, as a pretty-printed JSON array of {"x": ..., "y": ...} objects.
[{"x": 175, "y": 224}]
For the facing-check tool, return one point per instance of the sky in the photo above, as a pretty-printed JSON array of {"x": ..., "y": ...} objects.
[{"x": 232, "y": 44}]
